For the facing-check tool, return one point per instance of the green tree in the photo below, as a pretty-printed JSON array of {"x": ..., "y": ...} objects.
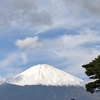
[{"x": 93, "y": 71}]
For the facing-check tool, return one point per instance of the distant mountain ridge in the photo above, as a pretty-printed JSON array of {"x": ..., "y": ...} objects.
[
  {"x": 40, "y": 92},
  {"x": 44, "y": 74}
]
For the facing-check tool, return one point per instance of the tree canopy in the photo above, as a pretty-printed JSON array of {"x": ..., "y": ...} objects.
[{"x": 93, "y": 71}]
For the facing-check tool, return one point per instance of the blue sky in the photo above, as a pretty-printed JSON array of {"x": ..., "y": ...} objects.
[{"x": 62, "y": 33}]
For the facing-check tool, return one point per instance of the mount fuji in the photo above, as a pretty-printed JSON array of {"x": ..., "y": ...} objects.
[
  {"x": 44, "y": 74},
  {"x": 45, "y": 82}
]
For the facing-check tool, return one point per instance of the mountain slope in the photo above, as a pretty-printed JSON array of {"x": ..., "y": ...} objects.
[
  {"x": 39, "y": 92},
  {"x": 44, "y": 74}
]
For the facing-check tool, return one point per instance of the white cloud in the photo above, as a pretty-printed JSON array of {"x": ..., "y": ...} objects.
[
  {"x": 83, "y": 38},
  {"x": 28, "y": 43}
]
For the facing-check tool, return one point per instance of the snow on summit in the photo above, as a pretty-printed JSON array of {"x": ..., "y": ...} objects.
[{"x": 44, "y": 74}]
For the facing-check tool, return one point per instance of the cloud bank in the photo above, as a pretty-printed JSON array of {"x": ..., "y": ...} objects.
[
  {"x": 32, "y": 13},
  {"x": 22, "y": 12},
  {"x": 90, "y": 6}
]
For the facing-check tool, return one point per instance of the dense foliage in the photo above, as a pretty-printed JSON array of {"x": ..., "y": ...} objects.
[{"x": 93, "y": 71}]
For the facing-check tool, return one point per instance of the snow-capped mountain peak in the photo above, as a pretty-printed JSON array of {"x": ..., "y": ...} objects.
[{"x": 44, "y": 74}]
